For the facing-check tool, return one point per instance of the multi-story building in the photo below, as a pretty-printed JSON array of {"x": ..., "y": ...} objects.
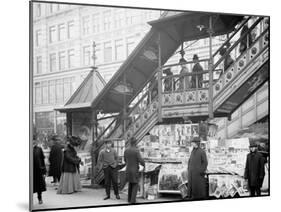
[{"x": 63, "y": 37}]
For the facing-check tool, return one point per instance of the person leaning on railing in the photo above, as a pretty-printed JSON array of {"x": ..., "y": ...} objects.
[
  {"x": 168, "y": 82},
  {"x": 228, "y": 61}
]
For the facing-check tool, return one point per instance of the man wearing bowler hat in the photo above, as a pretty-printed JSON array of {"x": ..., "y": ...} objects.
[
  {"x": 108, "y": 159},
  {"x": 254, "y": 170},
  {"x": 196, "y": 80},
  {"x": 133, "y": 159},
  {"x": 197, "y": 166}
]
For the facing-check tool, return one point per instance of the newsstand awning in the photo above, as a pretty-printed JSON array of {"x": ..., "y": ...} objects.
[
  {"x": 142, "y": 63},
  {"x": 85, "y": 94}
]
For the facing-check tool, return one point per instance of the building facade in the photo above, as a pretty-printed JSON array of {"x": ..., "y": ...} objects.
[{"x": 63, "y": 37}]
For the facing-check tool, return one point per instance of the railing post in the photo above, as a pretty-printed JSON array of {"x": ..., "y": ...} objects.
[
  {"x": 210, "y": 108},
  {"x": 159, "y": 80},
  {"x": 94, "y": 125}
]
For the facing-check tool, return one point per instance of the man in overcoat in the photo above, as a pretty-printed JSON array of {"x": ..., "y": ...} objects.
[
  {"x": 108, "y": 160},
  {"x": 197, "y": 80},
  {"x": 55, "y": 159},
  {"x": 254, "y": 170},
  {"x": 197, "y": 166},
  {"x": 133, "y": 159},
  {"x": 39, "y": 171}
]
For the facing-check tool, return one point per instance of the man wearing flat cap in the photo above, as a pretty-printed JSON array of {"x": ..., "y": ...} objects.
[
  {"x": 108, "y": 159},
  {"x": 197, "y": 165},
  {"x": 133, "y": 159},
  {"x": 254, "y": 170}
]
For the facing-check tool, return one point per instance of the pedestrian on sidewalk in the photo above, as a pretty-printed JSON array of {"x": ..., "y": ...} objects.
[
  {"x": 70, "y": 178},
  {"x": 197, "y": 166},
  {"x": 133, "y": 159},
  {"x": 108, "y": 160},
  {"x": 254, "y": 170},
  {"x": 39, "y": 170},
  {"x": 55, "y": 159}
]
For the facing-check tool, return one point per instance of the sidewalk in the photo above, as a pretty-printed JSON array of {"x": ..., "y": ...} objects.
[{"x": 87, "y": 197}]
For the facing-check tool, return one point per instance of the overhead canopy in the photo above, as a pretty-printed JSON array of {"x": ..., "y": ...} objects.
[
  {"x": 85, "y": 94},
  {"x": 139, "y": 67}
]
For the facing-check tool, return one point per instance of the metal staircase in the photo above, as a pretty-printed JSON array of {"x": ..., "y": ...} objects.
[{"x": 234, "y": 86}]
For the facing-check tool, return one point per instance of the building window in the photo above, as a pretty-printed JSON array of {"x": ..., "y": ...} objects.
[
  {"x": 130, "y": 44},
  {"x": 38, "y": 10},
  {"x": 71, "y": 58},
  {"x": 45, "y": 92},
  {"x": 61, "y": 60},
  {"x": 70, "y": 29},
  {"x": 119, "y": 50},
  {"x": 52, "y": 34},
  {"x": 118, "y": 19},
  {"x": 61, "y": 32},
  {"x": 106, "y": 20},
  {"x": 129, "y": 18},
  {"x": 86, "y": 55},
  {"x": 38, "y": 65},
  {"x": 52, "y": 62},
  {"x": 98, "y": 59},
  {"x": 67, "y": 88},
  {"x": 52, "y": 92},
  {"x": 51, "y": 8},
  {"x": 96, "y": 23},
  {"x": 86, "y": 25},
  {"x": 38, "y": 97},
  {"x": 38, "y": 37},
  {"x": 107, "y": 52},
  {"x": 59, "y": 91}
]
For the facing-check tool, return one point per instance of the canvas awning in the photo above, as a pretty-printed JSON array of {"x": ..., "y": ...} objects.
[
  {"x": 85, "y": 94},
  {"x": 142, "y": 63}
]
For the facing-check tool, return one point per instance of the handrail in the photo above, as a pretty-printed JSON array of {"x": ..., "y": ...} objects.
[
  {"x": 237, "y": 42},
  {"x": 232, "y": 35},
  {"x": 185, "y": 74},
  {"x": 106, "y": 129},
  {"x": 183, "y": 63}
]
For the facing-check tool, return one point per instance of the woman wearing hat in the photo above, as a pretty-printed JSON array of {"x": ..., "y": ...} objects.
[
  {"x": 70, "y": 179},
  {"x": 254, "y": 170},
  {"x": 197, "y": 166}
]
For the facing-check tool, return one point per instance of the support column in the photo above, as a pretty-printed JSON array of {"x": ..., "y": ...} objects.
[
  {"x": 69, "y": 124},
  {"x": 94, "y": 154},
  {"x": 210, "y": 108},
  {"x": 159, "y": 80}
]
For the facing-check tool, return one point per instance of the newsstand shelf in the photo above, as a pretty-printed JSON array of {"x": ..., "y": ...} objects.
[{"x": 169, "y": 192}]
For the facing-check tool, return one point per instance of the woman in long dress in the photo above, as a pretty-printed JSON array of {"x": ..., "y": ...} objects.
[{"x": 70, "y": 178}]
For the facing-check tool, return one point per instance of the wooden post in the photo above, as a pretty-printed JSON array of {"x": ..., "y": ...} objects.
[
  {"x": 69, "y": 124},
  {"x": 211, "y": 112},
  {"x": 159, "y": 80}
]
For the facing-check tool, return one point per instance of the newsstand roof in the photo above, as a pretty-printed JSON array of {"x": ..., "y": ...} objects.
[
  {"x": 142, "y": 63},
  {"x": 85, "y": 94}
]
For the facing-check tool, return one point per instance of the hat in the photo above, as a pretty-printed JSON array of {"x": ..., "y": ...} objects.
[
  {"x": 182, "y": 60},
  {"x": 55, "y": 138},
  {"x": 195, "y": 140},
  {"x": 195, "y": 57},
  {"x": 107, "y": 141},
  {"x": 167, "y": 71},
  {"x": 133, "y": 141},
  {"x": 222, "y": 51},
  {"x": 74, "y": 140},
  {"x": 253, "y": 143}
]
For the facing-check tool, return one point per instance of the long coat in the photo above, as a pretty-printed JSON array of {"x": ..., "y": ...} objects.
[
  {"x": 254, "y": 170},
  {"x": 70, "y": 160},
  {"x": 39, "y": 169},
  {"x": 197, "y": 166},
  {"x": 197, "y": 68},
  {"x": 133, "y": 159},
  {"x": 55, "y": 159}
]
